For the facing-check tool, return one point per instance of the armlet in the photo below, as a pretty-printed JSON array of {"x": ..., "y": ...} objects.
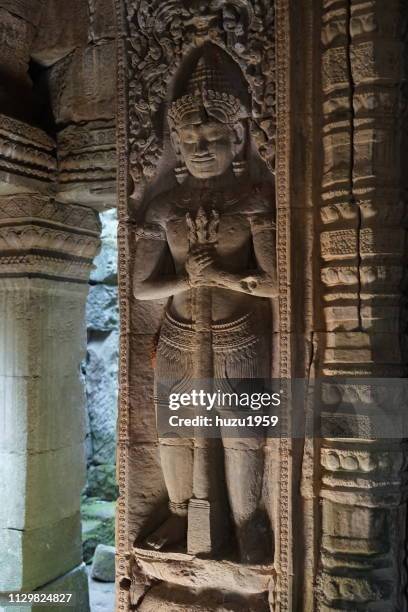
[
  {"x": 150, "y": 231},
  {"x": 262, "y": 222}
]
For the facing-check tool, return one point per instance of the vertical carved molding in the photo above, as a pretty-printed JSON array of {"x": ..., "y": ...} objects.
[
  {"x": 284, "y": 532},
  {"x": 362, "y": 249},
  {"x": 123, "y": 569}
]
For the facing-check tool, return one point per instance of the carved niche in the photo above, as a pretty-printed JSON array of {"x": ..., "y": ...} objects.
[{"x": 197, "y": 235}]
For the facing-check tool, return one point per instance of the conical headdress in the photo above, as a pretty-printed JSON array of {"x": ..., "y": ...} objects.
[{"x": 211, "y": 89}]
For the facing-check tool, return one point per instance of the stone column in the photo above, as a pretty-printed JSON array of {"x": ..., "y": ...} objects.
[
  {"x": 46, "y": 253},
  {"x": 362, "y": 513}
]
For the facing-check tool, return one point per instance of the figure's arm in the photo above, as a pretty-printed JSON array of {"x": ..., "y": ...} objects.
[
  {"x": 261, "y": 282},
  {"x": 148, "y": 281}
]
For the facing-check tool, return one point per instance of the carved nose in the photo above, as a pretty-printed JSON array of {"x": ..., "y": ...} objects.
[{"x": 202, "y": 147}]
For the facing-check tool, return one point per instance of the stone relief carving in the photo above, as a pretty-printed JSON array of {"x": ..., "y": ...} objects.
[
  {"x": 216, "y": 320},
  {"x": 180, "y": 54},
  {"x": 161, "y": 34},
  {"x": 41, "y": 237},
  {"x": 87, "y": 164},
  {"x": 27, "y": 153}
]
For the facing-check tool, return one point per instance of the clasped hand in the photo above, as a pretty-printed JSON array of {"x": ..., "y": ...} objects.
[{"x": 201, "y": 266}]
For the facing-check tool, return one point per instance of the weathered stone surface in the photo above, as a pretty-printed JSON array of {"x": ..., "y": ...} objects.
[
  {"x": 101, "y": 479},
  {"x": 87, "y": 164},
  {"x": 98, "y": 525},
  {"x": 35, "y": 494},
  {"x": 53, "y": 240},
  {"x": 27, "y": 160},
  {"x": 174, "y": 568},
  {"x": 101, "y": 389},
  {"x": 56, "y": 309},
  {"x": 101, "y": 595},
  {"x": 75, "y": 582},
  {"x": 63, "y": 28},
  {"x": 160, "y": 597},
  {"x": 103, "y": 19},
  {"x": 16, "y": 37},
  {"x": 35, "y": 557},
  {"x": 103, "y": 566},
  {"x": 106, "y": 262},
  {"x": 37, "y": 414},
  {"x": 79, "y": 88},
  {"x": 102, "y": 310},
  {"x": 28, "y": 10}
]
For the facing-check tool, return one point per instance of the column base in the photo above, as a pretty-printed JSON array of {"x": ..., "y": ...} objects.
[{"x": 75, "y": 581}]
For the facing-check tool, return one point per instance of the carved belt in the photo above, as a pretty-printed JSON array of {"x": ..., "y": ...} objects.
[{"x": 227, "y": 337}]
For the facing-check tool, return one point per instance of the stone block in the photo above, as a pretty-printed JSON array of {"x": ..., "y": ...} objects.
[
  {"x": 101, "y": 481},
  {"x": 339, "y": 244},
  {"x": 335, "y": 69},
  {"x": 87, "y": 164},
  {"x": 334, "y": 27},
  {"x": 27, "y": 161},
  {"x": 75, "y": 581},
  {"x": 382, "y": 241},
  {"x": 41, "y": 413},
  {"x": 106, "y": 262},
  {"x": 103, "y": 566},
  {"x": 41, "y": 327},
  {"x": 103, "y": 19},
  {"x": 101, "y": 371},
  {"x": 337, "y": 153},
  {"x": 63, "y": 28},
  {"x": 85, "y": 92},
  {"x": 16, "y": 37},
  {"x": 102, "y": 309},
  {"x": 96, "y": 531},
  {"x": 41, "y": 488},
  {"x": 28, "y": 10},
  {"x": 33, "y": 558},
  {"x": 371, "y": 62},
  {"x": 361, "y": 347}
]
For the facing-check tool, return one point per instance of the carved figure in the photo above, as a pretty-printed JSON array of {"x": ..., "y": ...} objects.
[{"x": 216, "y": 231}]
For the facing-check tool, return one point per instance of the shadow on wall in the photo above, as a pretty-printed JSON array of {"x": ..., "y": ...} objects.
[{"x": 100, "y": 372}]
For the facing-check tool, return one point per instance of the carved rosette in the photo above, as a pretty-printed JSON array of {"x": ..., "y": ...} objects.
[
  {"x": 362, "y": 245},
  {"x": 41, "y": 238},
  {"x": 27, "y": 158}
]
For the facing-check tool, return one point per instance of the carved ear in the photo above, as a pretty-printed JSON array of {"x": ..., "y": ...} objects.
[
  {"x": 175, "y": 140},
  {"x": 239, "y": 131}
]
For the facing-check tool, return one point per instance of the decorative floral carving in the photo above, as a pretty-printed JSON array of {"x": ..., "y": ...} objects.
[{"x": 162, "y": 33}]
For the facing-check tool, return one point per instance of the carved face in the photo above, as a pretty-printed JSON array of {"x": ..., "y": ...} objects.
[{"x": 209, "y": 148}]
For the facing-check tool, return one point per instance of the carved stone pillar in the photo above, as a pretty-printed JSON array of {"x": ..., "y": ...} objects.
[
  {"x": 46, "y": 253},
  {"x": 362, "y": 513}
]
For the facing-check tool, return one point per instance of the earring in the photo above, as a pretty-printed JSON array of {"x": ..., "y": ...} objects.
[
  {"x": 239, "y": 168},
  {"x": 181, "y": 173}
]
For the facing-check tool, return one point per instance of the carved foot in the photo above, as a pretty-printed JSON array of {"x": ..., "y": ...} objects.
[{"x": 170, "y": 533}]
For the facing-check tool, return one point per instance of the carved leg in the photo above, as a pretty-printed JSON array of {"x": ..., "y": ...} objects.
[
  {"x": 208, "y": 524},
  {"x": 177, "y": 465},
  {"x": 244, "y": 475}
]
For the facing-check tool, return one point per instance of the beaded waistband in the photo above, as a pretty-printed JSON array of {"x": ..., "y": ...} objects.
[{"x": 240, "y": 333}]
